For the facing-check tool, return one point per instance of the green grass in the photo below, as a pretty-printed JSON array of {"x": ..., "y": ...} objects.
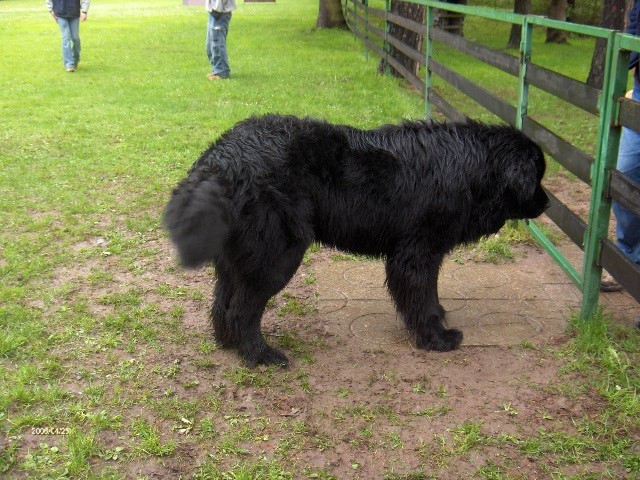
[
  {"x": 260, "y": 470},
  {"x": 294, "y": 306},
  {"x": 499, "y": 248},
  {"x": 104, "y": 336},
  {"x": 149, "y": 439},
  {"x": 611, "y": 352}
]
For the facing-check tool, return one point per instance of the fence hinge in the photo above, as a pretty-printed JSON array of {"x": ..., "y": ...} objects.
[
  {"x": 606, "y": 193},
  {"x": 599, "y": 253},
  {"x": 615, "y": 118}
]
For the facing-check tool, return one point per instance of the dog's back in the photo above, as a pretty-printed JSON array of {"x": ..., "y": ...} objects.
[{"x": 358, "y": 190}]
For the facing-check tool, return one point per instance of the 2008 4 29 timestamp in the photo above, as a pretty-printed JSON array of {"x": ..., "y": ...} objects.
[{"x": 50, "y": 430}]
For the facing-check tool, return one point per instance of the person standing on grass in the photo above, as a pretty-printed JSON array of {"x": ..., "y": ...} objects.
[
  {"x": 68, "y": 14},
  {"x": 217, "y": 28}
]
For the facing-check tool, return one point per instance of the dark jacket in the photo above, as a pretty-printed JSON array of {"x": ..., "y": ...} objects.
[
  {"x": 66, "y": 8},
  {"x": 634, "y": 29}
]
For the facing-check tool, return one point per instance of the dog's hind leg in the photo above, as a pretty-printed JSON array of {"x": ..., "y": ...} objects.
[
  {"x": 250, "y": 298},
  {"x": 243, "y": 317},
  {"x": 412, "y": 279},
  {"x": 222, "y": 298}
]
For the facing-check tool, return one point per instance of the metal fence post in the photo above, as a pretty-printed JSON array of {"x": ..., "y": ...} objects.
[
  {"x": 366, "y": 29},
  {"x": 355, "y": 19},
  {"x": 427, "y": 57},
  {"x": 387, "y": 45},
  {"x": 525, "y": 57},
  {"x": 526, "y": 45},
  {"x": 615, "y": 83}
]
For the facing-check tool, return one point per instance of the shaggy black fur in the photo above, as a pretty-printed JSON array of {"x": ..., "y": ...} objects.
[{"x": 256, "y": 199}]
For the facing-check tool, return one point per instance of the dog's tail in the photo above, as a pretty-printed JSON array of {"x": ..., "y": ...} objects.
[{"x": 197, "y": 218}]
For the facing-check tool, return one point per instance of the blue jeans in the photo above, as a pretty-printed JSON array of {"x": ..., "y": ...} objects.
[
  {"x": 628, "y": 225},
  {"x": 70, "y": 28},
  {"x": 217, "y": 43}
]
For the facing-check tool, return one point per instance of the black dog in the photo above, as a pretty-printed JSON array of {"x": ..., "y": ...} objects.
[{"x": 256, "y": 199}]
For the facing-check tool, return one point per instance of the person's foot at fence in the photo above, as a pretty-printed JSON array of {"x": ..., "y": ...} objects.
[{"x": 608, "y": 284}]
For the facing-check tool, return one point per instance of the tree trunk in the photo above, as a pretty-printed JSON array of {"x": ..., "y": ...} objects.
[
  {"x": 557, "y": 11},
  {"x": 330, "y": 14},
  {"x": 414, "y": 12},
  {"x": 613, "y": 15},
  {"x": 523, "y": 7}
]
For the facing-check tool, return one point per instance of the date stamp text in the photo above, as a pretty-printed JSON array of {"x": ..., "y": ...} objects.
[{"x": 50, "y": 430}]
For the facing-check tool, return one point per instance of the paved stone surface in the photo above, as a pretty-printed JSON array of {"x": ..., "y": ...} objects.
[{"x": 528, "y": 300}]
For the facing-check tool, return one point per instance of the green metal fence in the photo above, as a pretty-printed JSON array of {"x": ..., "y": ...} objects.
[{"x": 613, "y": 111}]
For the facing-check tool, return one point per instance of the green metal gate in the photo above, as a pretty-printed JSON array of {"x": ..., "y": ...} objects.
[{"x": 609, "y": 104}]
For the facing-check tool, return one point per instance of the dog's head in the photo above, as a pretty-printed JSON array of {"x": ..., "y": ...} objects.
[{"x": 522, "y": 166}]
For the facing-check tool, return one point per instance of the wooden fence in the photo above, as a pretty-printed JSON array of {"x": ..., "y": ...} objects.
[{"x": 614, "y": 111}]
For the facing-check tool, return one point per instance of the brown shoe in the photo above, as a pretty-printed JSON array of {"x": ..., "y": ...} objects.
[
  {"x": 608, "y": 284},
  {"x": 213, "y": 76}
]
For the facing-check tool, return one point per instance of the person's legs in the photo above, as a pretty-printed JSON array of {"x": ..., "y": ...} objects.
[
  {"x": 67, "y": 42},
  {"x": 217, "y": 29},
  {"x": 209, "y": 40},
  {"x": 74, "y": 29},
  {"x": 628, "y": 224}
]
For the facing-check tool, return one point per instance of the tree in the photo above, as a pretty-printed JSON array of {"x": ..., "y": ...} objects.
[
  {"x": 414, "y": 12},
  {"x": 557, "y": 11},
  {"x": 613, "y": 15},
  {"x": 330, "y": 14},
  {"x": 522, "y": 7}
]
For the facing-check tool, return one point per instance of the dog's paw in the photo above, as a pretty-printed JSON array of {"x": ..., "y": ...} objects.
[
  {"x": 439, "y": 340},
  {"x": 265, "y": 356}
]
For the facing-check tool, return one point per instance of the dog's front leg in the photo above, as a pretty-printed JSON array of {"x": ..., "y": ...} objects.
[{"x": 412, "y": 279}]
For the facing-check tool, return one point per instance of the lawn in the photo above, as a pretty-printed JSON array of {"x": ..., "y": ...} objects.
[{"x": 107, "y": 366}]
